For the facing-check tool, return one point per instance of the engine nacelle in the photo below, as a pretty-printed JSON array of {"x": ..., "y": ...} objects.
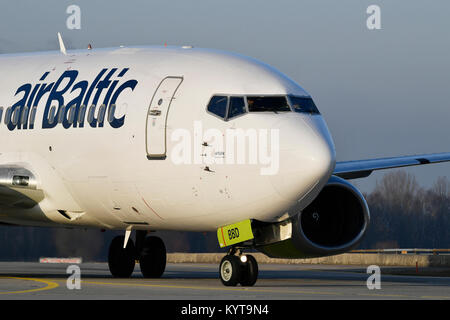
[{"x": 333, "y": 223}]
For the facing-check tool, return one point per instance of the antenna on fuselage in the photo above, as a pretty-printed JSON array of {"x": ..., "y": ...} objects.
[{"x": 62, "y": 47}]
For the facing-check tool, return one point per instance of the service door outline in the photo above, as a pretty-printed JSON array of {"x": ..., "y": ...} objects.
[{"x": 157, "y": 115}]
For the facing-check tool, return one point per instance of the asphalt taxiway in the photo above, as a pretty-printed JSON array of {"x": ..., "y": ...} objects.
[{"x": 24, "y": 280}]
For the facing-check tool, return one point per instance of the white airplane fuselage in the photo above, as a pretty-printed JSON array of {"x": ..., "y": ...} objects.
[{"x": 120, "y": 172}]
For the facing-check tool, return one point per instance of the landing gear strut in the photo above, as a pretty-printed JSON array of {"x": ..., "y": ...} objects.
[
  {"x": 150, "y": 251},
  {"x": 236, "y": 269}
]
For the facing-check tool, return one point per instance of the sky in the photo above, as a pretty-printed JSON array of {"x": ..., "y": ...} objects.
[{"x": 383, "y": 92}]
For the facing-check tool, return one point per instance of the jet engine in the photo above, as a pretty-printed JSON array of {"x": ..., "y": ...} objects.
[{"x": 334, "y": 222}]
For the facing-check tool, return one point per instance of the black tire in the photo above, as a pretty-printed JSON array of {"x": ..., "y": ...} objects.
[
  {"x": 250, "y": 272},
  {"x": 230, "y": 270},
  {"x": 121, "y": 261},
  {"x": 153, "y": 258}
]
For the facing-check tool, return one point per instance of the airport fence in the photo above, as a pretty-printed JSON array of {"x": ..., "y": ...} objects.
[{"x": 418, "y": 251}]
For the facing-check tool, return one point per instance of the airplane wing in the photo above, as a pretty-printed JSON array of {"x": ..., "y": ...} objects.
[{"x": 363, "y": 168}]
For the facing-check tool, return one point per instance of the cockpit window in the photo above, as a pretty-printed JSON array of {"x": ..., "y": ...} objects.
[
  {"x": 303, "y": 105},
  {"x": 262, "y": 104},
  {"x": 237, "y": 107},
  {"x": 218, "y": 106},
  {"x": 228, "y": 107}
]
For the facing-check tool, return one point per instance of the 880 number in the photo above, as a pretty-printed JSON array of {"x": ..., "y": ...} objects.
[{"x": 233, "y": 233}]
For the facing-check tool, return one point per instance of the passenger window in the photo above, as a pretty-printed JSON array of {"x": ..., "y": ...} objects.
[
  {"x": 237, "y": 107},
  {"x": 218, "y": 106}
]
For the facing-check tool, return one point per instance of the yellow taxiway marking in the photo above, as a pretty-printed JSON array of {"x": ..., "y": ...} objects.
[
  {"x": 434, "y": 297},
  {"x": 247, "y": 289},
  {"x": 205, "y": 288},
  {"x": 50, "y": 285}
]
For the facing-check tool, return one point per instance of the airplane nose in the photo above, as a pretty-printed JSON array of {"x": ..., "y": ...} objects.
[{"x": 307, "y": 157}]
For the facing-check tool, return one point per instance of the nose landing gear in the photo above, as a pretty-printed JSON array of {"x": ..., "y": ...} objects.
[{"x": 236, "y": 269}]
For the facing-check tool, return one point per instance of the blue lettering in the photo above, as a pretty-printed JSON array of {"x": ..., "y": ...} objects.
[
  {"x": 58, "y": 96},
  {"x": 22, "y": 114},
  {"x": 77, "y": 102},
  {"x": 17, "y": 108},
  {"x": 104, "y": 84},
  {"x": 117, "y": 123}
]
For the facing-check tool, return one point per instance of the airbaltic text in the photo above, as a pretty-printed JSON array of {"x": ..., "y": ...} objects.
[{"x": 85, "y": 105}]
